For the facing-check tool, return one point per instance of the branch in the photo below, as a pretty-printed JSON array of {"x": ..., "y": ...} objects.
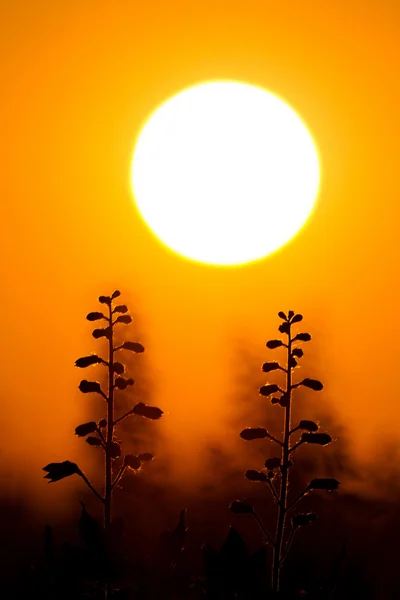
[
  {"x": 299, "y": 497},
  {"x": 294, "y": 429},
  {"x": 274, "y": 439},
  {"x": 287, "y": 548},
  {"x": 268, "y": 537},
  {"x": 273, "y": 490},
  {"x": 101, "y": 436},
  {"x": 123, "y": 417},
  {"x": 293, "y": 448},
  {"x": 118, "y": 477},
  {"x": 95, "y": 492}
]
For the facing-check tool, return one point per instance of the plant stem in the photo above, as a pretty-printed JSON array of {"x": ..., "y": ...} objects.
[
  {"x": 284, "y": 478},
  {"x": 109, "y": 439}
]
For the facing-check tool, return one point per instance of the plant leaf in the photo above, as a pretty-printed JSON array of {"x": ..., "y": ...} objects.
[
  {"x": 145, "y": 457},
  {"x": 302, "y": 337},
  {"x": 121, "y": 383},
  {"x": 132, "y": 461},
  {"x": 93, "y": 441},
  {"x": 85, "y": 429},
  {"x": 150, "y": 412},
  {"x": 259, "y": 476},
  {"x": 267, "y": 390},
  {"x": 282, "y": 315},
  {"x": 95, "y": 316},
  {"x": 290, "y": 314},
  {"x": 297, "y": 319},
  {"x": 86, "y": 361},
  {"x": 303, "y": 519},
  {"x": 292, "y": 362},
  {"x": 123, "y": 319},
  {"x": 272, "y": 344},
  {"x": 270, "y": 366},
  {"x": 57, "y": 471},
  {"x": 328, "y": 484},
  {"x": 104, "y": 299},
  {"x": 272, "y": 463},
  {"x": 133, "y": 346},
  {"x": 86, "y": 387},
  {"x": 309, "y": 425},
  {"x": 115, "y": 294},
  {"x": 102, "y": 423},
  {"x": 322, "y": 439},
  {"x": 99, "y": 333},
  {"x": 313, "y": 384},
  {"x": 121, "y": 308},
  {"x": 284, "y": 327},
  {"x": 253, "y": 433},
  {"x": 297, "y": 352},
  {"x": 118, "y": 368},
  {"x": 241, "y": 508}
]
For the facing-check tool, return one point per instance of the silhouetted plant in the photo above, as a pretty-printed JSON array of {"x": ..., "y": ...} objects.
[
  {"x": 102, "y": 434},
  {"x": 278, "y": 468}
]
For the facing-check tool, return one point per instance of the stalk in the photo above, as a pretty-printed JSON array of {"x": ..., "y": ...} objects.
[
  {"x": 282, "y": 504},
  {"x": 109, "y": 439}
]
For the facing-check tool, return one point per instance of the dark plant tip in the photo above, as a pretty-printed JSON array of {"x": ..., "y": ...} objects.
[
  {"x": 282, "y": 315},
  {"x": 258, "y": 476},
  {"x": 290, "y": 314},
  {"x": 241, "y": 508},
  {"x": 253, "y": 433},
  {"x": 272, "y": 344},
  {"x": 115, "y": 294}
]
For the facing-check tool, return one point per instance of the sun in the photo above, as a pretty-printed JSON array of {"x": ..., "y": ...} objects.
[{"x": 225, "y": 173}]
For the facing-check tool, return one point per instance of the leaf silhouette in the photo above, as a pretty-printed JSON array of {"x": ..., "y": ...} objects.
[
  {"x": 253, "y": 433},
  {"x": 284, "y": 327},
  {"x": 282, "y": 315},
  {"x": 95, "y": 316},
  {"x": 86, "y": 361},
  {"x": 259, "y": 476},
  {"x": 270, "y": 366},
  {"x": 309, "y": 425},
  {"x": 121, "y": 383},
  {"x": 328, "y": 484},
  {"x": 132, "y": 461},
  {"x": 313, "y": 384},
  {"x": 302, "y": 520},
  {"x": 115, "y": 450},
  {"x": 85, "y": 429},
  {"x": 86, "y": 387},
  {"x": 322, "y": 439},
  {"x": 115, "y": 294},
  {"x": 133, "y": 347},
  {"x": 297, "y": 318},
  {"x": 102, "y": 423},
  {"x": 302, "y": 337},
  {"x": 57, "y": 471},
  {"x": 123, "y": 319},
  {"x": 290, "y": 314},
  {"x": 145, "y": 457},
  {"x": 150, "y": 412},
  {"x": 93, "y": 441},
  {"x": 292, "y": 362},
  {"x": 99, "y": 333},
  {"x": 272, "y": 344},
  {"x": 297, "y": 352},
  {"x": 118, "y": 368},
  {"x": 121, "y": 308},
  {"x": 241, "y": 508},
  {"x": 273, "y": 463},
  {"x": 104, "y": 300},
  {"x": 267, "y": 390}
]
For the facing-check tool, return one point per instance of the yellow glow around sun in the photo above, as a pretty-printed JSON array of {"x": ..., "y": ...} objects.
[{"x": 225, "y": 173}]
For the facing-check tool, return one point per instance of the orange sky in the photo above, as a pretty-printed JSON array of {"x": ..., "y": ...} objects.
[{"x": 78, "y": 78}]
